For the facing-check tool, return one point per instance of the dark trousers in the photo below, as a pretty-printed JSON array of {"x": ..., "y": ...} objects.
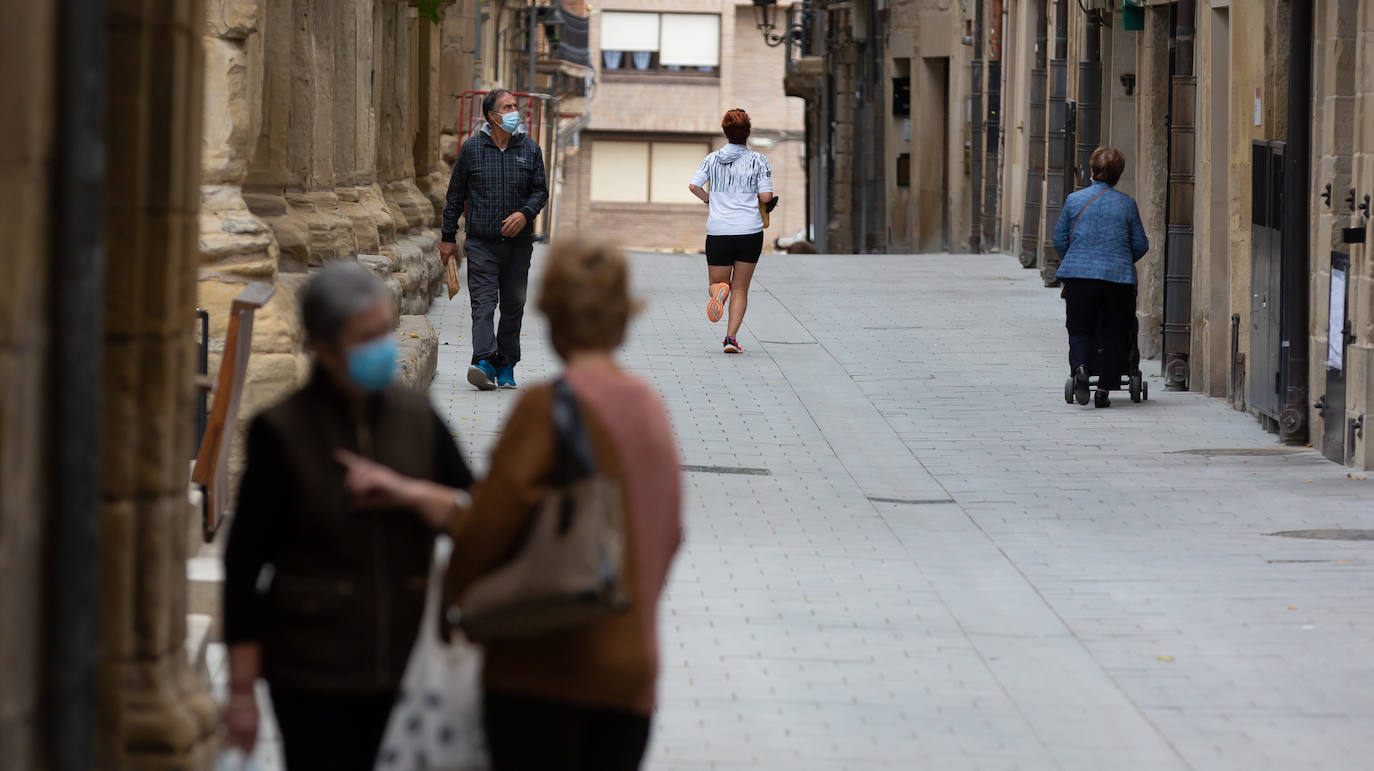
[
  {"x": 528, "y": 734},
  {"x": 498, "y": 275},
  {"x": 329, "y": 731},
  {"x": 1107, "y": 307}
]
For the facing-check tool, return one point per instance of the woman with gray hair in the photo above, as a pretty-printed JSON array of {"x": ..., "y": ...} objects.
[{"x": 334, "y": 626}]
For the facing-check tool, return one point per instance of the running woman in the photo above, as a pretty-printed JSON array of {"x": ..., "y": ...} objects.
[{"x": 740, "y": 181}]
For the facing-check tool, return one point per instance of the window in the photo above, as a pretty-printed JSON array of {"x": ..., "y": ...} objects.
[
  {"x": 644, "y": 172},
  {"x": 620, "y": 171},
  {"x": 681, "y": 43},
  {"x": 671, "y": 167}
]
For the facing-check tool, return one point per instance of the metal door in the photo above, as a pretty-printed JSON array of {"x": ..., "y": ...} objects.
[
  {"x": 1266, "y": 239},
  {"x": 1338, "y": 329}
]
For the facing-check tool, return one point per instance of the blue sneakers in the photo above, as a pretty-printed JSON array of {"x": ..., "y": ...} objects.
[
  {"x": 505, "y": 377},
  {"x": 483, "y": 375}
]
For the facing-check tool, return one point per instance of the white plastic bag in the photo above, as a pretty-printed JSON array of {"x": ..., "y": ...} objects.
[
  {"x": 235, "y": 760},
  {"x": 436, "y": 724}
]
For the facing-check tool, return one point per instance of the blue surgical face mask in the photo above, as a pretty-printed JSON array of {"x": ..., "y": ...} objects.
[
  {"x": 371, "y": 365},
  {"x": 510, "y": 121}
]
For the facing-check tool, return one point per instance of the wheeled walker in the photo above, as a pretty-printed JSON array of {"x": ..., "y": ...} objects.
[{"x": 1133, "y": 382}]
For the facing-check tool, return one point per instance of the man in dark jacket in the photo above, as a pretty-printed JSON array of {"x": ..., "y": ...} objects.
[{"x": 498, "y": 186}]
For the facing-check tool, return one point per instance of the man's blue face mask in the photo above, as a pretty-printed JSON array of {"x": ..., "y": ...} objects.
[{"x": 510, "y": 121}]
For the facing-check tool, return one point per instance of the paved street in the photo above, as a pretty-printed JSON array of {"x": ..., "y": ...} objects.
[{"x": 905, "y": 551}]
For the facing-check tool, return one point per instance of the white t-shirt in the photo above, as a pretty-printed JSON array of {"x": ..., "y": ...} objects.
[{"x": 737, "y": 176}]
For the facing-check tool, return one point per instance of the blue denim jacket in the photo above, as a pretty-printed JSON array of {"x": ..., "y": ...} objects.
[{"x": 1108, "y": 241}]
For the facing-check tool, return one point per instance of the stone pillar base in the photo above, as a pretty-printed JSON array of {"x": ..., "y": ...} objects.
[
  {"x": 375, "y": 202},
  {"x": 415, "y": 208},
  {"x": 365, "y": 228},
  {"x": 170, "y": 718},
  {"x": 234, "y": 241},
  {"x": 416, "y": 266},
  {"x": 419, "y": 352},
  {"x": 434, "y": 186}
]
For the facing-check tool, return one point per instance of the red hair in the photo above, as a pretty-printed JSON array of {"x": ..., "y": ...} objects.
[{"x": 736, "y": 126}]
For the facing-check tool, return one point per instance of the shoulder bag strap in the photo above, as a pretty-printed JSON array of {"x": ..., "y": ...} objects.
[
  {"x": 1085, "y": 208},
  {"x": 574, "y": 457}
]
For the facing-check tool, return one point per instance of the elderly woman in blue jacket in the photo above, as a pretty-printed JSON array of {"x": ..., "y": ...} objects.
[{"x": 1099, "y": 238}]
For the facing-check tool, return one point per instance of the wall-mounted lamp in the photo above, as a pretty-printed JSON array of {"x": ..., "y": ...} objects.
[
  {"x": 794, "y": 26},
  {"x": 766, "y": 20}
]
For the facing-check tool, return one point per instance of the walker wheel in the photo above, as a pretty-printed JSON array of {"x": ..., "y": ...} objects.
[
  {"x": 1068, "y": 391},
  {"x": 1145, "y": 390},
  {"x": 1135, "y": 388}
]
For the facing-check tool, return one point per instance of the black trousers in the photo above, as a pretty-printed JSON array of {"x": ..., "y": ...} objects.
[
  {"x": 528, "y": 734},
  {"x": 1107, "y": 307},
  {"x": 498, "y": 275},
  {"x": 331, "y": 732}
]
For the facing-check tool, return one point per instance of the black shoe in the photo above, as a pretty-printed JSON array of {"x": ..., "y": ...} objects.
[
  {"x": 1100, "y": 399},
  {"x": 1080, "y": 385}
]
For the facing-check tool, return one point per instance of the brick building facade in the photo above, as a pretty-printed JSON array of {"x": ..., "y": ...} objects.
[{"x": 651, "y": 121}]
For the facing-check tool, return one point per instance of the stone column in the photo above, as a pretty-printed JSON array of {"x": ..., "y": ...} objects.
[
  {"x": 414, "y": 253},
  {"x": 26, "y": 331},
  {"x": 430, "y": 173},
  {"x": 1152, "y": 89},
  {"x": 401, "y": 23},
  {"x": 154, "y": 712},
  {"x": 291, "y": 178},
  {"x": 1360, "y": 354},
  {"x": 310, "y": 180},
  {"x": 352, "y": 82},
  {"x": 457, "y": 49},
  {"x": 369, "y": 119},
  {"x": 237, "y": 246}
]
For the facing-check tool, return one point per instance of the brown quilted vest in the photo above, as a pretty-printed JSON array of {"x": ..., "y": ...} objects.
[{"x": 348, "y": 588}]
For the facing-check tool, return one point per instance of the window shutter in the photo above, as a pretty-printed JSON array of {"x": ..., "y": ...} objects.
[
  {"x": 629, "y": 31},
  {"x": 690, "y": 40},
  {"x": 673, "y": 165},
  {"x": 620, "y": 171}
]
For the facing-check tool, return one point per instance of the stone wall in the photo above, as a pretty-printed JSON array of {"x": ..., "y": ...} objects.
[
  {"x": 27, "y": 86},
  {"x": 322, "y": 142}
]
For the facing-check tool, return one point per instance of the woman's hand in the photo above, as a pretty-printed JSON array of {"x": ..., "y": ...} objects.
[
  {"x": 241, "y": 721},
  {"x": 374, "y": 485}
]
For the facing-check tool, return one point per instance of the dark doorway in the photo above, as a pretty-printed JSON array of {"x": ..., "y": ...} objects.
[
  {"x": 930, "y": 132},
  {"x": 1266, "y": 280},
  {"x": 1332, "y": 404}
]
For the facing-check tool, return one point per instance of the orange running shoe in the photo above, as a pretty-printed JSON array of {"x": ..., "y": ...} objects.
[{"x": 715, "y": 308}]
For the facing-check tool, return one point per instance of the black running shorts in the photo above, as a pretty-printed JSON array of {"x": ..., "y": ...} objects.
[{"x": 725, "y": 251}]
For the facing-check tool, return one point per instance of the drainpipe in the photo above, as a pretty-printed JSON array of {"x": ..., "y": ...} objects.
[
  {"x": 1296, "y": 272},
  {"x": 78, "y": 263},
  {"x": 1178, "y": 246},
  {"x": 534, "y": 46},
  {"x": 1058, "y": 174},
  {"x": 1035, "y": 129},
  {"x": 992, "y": 128},
  {"x": 976, "y": 144}
]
